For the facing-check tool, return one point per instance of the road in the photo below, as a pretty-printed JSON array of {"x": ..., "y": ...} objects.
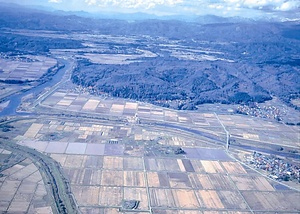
[
  {"x": 51, "y": 170},
  {"x": 52, "y": 175},
  {"x": 55, "y": 81},
  {"x": 224, "y": 142},
  {"x": 69, "y": 66}
]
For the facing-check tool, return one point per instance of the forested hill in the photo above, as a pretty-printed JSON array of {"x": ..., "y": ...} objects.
[{"x": 228, "y": 60}]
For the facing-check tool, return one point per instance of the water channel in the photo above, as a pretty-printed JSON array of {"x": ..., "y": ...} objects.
[{"x": 15, "y": 99}]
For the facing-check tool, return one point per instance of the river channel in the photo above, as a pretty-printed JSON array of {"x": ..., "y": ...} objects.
[{"x": 15, "y": 99}]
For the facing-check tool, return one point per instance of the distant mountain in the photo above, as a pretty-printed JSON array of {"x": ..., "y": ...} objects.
[
  {"x": 264, "y": 56},
  {"x": 206, "y": 19},
  {"x": 122, "y": 16},
  {"x": 211, "y": 28},
  {"x": 211, "y": 19},
  {"x": 84, "y": 14}
]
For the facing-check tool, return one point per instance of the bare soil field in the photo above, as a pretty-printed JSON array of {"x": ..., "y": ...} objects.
[
  {"x": 108, "y": 163},
  {"x": 22, "y": 188}
]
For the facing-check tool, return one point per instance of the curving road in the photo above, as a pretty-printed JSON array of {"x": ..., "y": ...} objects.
[
  {"x": 52, "y": 175},
  {"x": 51, "y": 171}
]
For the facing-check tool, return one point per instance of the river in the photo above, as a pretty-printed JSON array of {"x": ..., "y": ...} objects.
[{"x": 15, "y": 99}]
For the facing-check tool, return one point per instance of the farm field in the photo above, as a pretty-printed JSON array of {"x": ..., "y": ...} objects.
[
  {"x": 243, "y": 129},
  {"x": 21, "y": 186},
  {"x": 29, "y": 69},
  {"x": 149, "y": 116},
  {"x": 108, "y": 164},
  {"x": 125, "y": 152}
]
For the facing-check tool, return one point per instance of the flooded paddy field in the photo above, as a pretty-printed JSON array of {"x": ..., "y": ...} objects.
[{"x": 108, "y": 163}]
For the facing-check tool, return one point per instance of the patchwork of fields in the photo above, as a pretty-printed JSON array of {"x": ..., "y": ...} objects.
[
  {"x": 29, "y": 70},
  {"x": 109, "y": 163}
]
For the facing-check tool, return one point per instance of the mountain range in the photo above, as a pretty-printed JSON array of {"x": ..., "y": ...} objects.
[{"x": 263, "y": 55}]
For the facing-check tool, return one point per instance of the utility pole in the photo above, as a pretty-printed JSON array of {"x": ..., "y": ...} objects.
[{"x": 227, "y": 133}]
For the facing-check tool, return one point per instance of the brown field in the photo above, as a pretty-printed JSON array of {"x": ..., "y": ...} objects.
[
  {"x": 22, "y": 70},
  {"x": 179, "y": 180},
  {"x": 95, "y": 177},
  {"x": 112, "y": 162},
  {"x": 87, "y": 195},
  {"x": 224, "y": 212},
  {"x": 110, "y": 196},
  {"x": 274, "y": 201},
  {"x": 232, "y": 200},
  {"x": 137, "y": 194},
  {"x": 212, "y": 167},
  {"x": 91, "y": 105},
  {"x": 33, "y": 130},
  {"x": 200, "y": 181},
  {"x": 134, "y": 179},
  {"x": 234, "y": 168},
  {"x": 177, "y": 183},
  {"x": 80, "y": 176},
  {"x": 209, "y": 199},
  {"x": 162, "y": 198},
  {"x": 153, "y": 179},
  {"x": 163, "y": 211},
  {"x": 154, "y": 164},
  {"x": 112, "y": 178},
  {"x": 171, "y": 164},
  {"x": 94, "y": 210},
  {"x": 198, "y": 167},
  {"x": 94, "y": 162},
  {"x": 133, "y": 163},
  {"x": 181, "y": 165},
  {"x": 117, "y": 108},
  {"x": 221, "y": 182},
  {"x": 75, "y": 160},
  {"x": 185, "y": 198},
  {"x": 211, "y": 181},
  {"x": 22, "y": 189},
  {"x": 252, "y": 183},
  {"x": 109, "y": 163}
]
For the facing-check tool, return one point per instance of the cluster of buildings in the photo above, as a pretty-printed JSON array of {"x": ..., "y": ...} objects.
[
  {"x": 277, "y": 168},
  {"x": 13, "y": 57},
  {"x": 255, "y": 110},
  {"x": 89, "y": 90}
]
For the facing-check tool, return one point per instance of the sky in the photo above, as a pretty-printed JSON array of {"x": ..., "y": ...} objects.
[{"x": 245, "y": 8}]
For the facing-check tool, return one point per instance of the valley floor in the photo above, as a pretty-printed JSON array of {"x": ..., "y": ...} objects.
[{"x": 113, "y": 152}]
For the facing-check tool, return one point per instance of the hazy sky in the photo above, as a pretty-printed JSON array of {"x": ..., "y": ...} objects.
[{"x": 246, "y": 8}]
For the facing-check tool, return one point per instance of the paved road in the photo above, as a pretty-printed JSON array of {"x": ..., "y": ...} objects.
[
  {"x": 223, "y": 142},
  {"x": 56, "y": 80},
  {"x": 52, "y": 174},
  {"x": 51, "y": 171},
  {"x": 67, "y": 72}
]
